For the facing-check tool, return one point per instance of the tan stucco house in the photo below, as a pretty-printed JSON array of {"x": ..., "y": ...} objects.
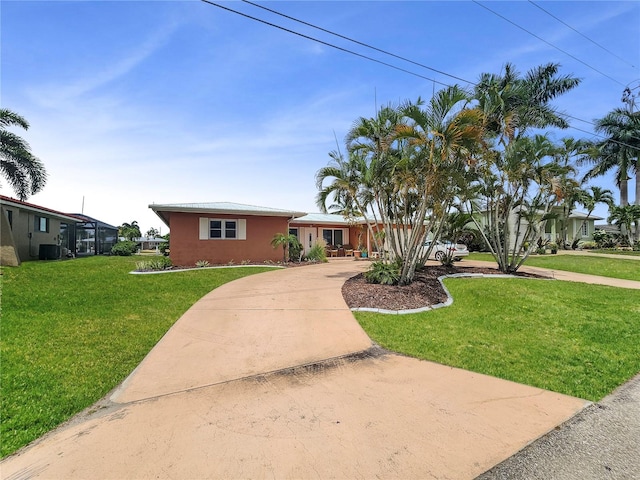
[{"x": 30, "y": 231}]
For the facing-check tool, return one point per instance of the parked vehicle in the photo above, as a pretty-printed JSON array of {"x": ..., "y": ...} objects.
[{"x": 440, "y": 250}]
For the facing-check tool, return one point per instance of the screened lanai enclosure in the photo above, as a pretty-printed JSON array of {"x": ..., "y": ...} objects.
[{"x": 89, "y": 236}]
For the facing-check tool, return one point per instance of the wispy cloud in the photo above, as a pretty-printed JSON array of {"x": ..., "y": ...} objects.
[{"x": 54, "y": 95}]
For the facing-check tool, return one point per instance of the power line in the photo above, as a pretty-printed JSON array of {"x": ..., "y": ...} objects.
[
  {"x": 325, "y": 43},
  {"x": 579, "y": 33},
  {"x": 380, "y": 50},
  {"x": 357, "y": 42},
  {"x": 548, "y": 43}
]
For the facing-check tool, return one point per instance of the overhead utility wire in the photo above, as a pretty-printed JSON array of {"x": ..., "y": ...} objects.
[
  {"x": 383, "y": 63},
  {"x": 325, "y": 43},
  {"x": 392, "y": 54},
  {"x": 548, "y": 43},
  {"x": 357, "y": 42},
  {"x": 580, "y": 33}
]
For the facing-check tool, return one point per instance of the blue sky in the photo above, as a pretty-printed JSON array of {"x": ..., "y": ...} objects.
[{"x": 132, "y": 103}]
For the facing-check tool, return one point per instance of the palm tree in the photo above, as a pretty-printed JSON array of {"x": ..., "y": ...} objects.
[
  {"x": 624, "y": 216},
  {"x": 512, "y": 104},
  {"x": 152, "y": 233},
  {"x": 519, "y": 176},
  {"x": 130, "y": 230},
  {"x": 589, "y": 200},
  {"x": 24, "y": 172},
  {"x": 285, "y": 241},
  {"x": 619, "y": 151}
]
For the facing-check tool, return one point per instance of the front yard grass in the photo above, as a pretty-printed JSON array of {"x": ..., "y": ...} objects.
[
  {"x": 573, "y": 338},
  {"x": 603, "y": 266},
  {"x": 73, "y": 330}
]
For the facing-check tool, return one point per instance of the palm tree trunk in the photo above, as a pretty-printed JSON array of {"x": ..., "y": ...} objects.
[
  {"x": 624, "y": 193},
  {"x": 637, "y": 201}
]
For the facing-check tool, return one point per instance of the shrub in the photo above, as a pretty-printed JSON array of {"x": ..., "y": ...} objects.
[
  {"x": 202, "y": 263},
  {"x": 604, "y": 239},
  {"x": 295, "y": 250},
  {"x": 157, "y": 264},
  {"x": 588, "y": 245},
  {"x": 317, "y": 253},
  {"x": 383, "y": 273},
  {"x": 124, "y": 249}
]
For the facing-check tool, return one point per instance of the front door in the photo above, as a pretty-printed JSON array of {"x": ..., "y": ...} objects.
[{"x": 309, "y": 238}]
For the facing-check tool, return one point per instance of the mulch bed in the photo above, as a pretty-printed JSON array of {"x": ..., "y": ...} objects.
[{"x": 424, "y": 291}]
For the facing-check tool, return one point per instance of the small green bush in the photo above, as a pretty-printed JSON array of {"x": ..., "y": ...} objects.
[
  {"x": 317, "y": 253},
  {"x": 383, "y": 273},
  {"x": 588, "y": 245},
  {"x": 125, "y": 248},
  {"x": 157, "y": 264}
]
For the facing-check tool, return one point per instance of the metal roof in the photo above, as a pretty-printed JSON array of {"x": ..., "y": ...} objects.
[
  {"x": 326, "y": 218},
  {"x": 226, "y": 208},
  {"x": 582, "y": 215}
]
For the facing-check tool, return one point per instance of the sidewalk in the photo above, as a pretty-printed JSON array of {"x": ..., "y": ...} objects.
[
  {"x": 563, "y": 275},
  {"x": 271, "y": 376}
]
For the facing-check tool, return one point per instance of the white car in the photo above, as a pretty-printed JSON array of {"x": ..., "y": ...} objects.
[{"x": 440, "y": 250}]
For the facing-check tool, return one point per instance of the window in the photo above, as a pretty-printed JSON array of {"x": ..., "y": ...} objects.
[
  {"x": 585, "y": 229},
  {"x": 333, "y": 237},
  {"x": 294, "y": 232},
  {"x": 41, "y": 224},
  {"x": 10, "y": 218},
  {"x": 230, "y": 229},
  {"x": 219, "y": 229},
  {"x": 215, "y": 229},
  {"x": 223, "y": 229}
]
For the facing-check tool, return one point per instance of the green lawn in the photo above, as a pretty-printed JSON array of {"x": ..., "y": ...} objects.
[
  {"x": 631, "y": 253},
  {"x": 606, "y": 267},
  {"x": 73, "y": 330},
  {"x": 573, "y": 338}
]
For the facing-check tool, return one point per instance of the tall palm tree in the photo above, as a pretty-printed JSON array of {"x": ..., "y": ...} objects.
[
  {"x": 619, "y": 151},
  {"x": 24, "y": 172},
  {"x": 512, "y": 103},
  {"x": 512, "y": 175}
]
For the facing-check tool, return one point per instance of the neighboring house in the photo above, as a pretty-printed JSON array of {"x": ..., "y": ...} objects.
[
  {"x": 576, "y": 223},
  {"x": 553, "y": 227},
  {"x": 149, "y": 243},
  {"x": 30, "y": 231}
]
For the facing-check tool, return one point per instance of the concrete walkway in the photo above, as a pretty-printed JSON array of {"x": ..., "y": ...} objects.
[
  {"x": 563, "y": 275},
  {"x": 271, "y": 376}
]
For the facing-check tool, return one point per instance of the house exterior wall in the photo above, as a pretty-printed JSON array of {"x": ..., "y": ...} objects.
[
  {"x": 26, "y": 238},
  {"x": 8, "y": 254},
  {"x": 309, "y": 234},
  {"x": 186, "y": 247}
]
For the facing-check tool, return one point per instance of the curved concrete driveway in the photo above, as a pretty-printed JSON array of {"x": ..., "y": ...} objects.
[{"x": 271, "y": 376}]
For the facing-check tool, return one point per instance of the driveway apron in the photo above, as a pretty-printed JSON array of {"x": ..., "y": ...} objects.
[{"x": 270, "y": 376}]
